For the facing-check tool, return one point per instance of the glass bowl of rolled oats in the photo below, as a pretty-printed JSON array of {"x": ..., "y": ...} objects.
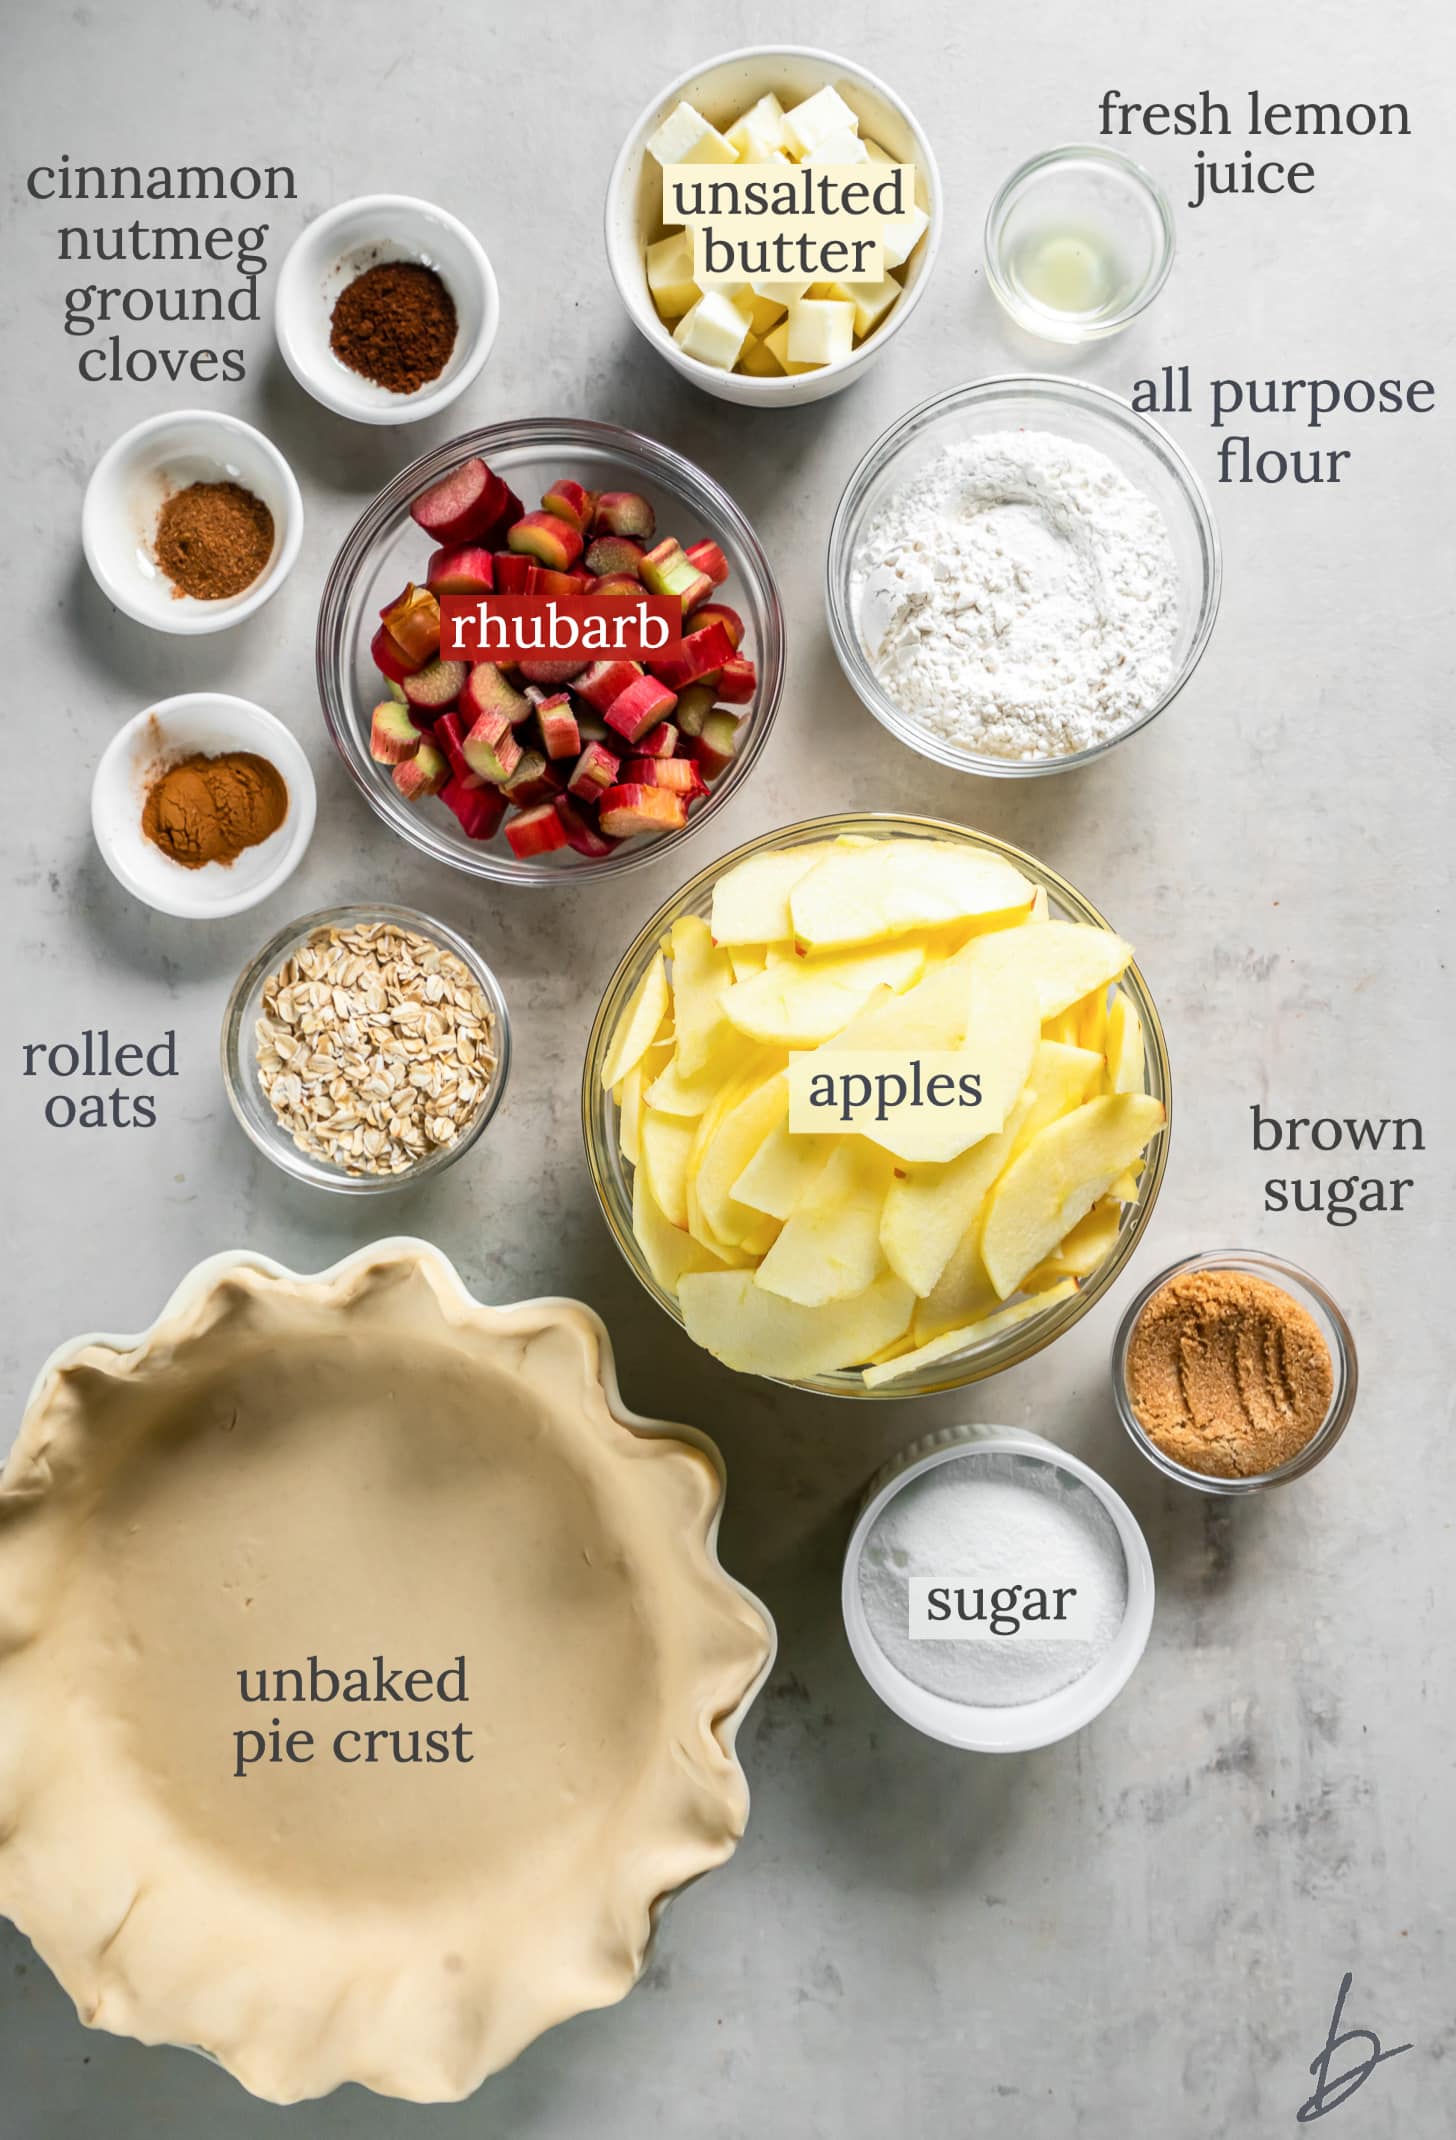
[{"x": 365, "y": 1047}]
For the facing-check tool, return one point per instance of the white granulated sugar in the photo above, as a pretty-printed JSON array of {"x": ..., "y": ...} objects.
[
  {"x": 1018, "y": 597},
  {"x": 987, "y": 1521}
]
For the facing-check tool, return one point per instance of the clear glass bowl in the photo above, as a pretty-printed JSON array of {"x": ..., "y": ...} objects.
[
  {"x": 385, "y": 548},
  {"x": 1088, "y": 414},
  {"x": 1310, "y": 1295},
  {"x": 239, "y": 1055},
  {"x": 1091, "y": 217},
  {"x": 612, "y": 1176}
]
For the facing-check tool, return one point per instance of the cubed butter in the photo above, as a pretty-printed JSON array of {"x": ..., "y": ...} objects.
[
  {"x": 781, "y": 293},
  {"x": 764, "y": 312},
  {"x": 871, "y": 301},
  {"x": 758, "y": 360},
  {"x": 686, "y": 137},
  {"x": 776, "y": 342},
  {"x": 713, "y": 331},
  {"x": 821, "y": 331},
  {"x": 843, "y": 147},
  {"x": 818, "y": 117},
  {"x": 670, "y": 275},
  {"x": 764, "y": 123},
  {"x": 903, "y": 235}
]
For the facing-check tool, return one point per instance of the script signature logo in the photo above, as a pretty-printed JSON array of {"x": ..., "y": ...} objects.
[{"x": 1330, "y": 2093}]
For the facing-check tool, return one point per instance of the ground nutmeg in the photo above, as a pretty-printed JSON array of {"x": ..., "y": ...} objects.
[
  {"x": 200, "y": 809},
  {"x": 213, "y": 539},
  {"x": 394, "y": 324}
]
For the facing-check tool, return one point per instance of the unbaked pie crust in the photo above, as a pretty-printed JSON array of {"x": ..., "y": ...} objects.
[{"x": 362, "y": 1463}]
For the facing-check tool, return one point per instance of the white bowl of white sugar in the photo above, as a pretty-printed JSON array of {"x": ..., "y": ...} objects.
[
  {"x": 997, "y": 1593},
  {"x": 1022, "y": 573}
]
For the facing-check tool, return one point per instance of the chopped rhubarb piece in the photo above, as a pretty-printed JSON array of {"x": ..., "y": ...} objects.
[
  {"x": 468, "y": 505},
  {"x": 552, "y": 669},
  {"x": 693, "y": 707},
  {"x": 560, "y": 735},
  {"x": 479, "y": 809},
  {"x": 437, "y": 685},
  {"x": 616, "y": 586},
  {"x": 390, "y": 659},
  {"x": 395, "y": 690},
  {"x": 719, "y": 613},
  {"x": 604, "y": 681},
  {"x": 413, "y": 623},
  {"x": 485, "y": 690},
  {"x": 659, "y": 742},
  {"x": 550, "y": 541},
  {"x": 634, "y": 807},
  {"x": 702, "y": 653},
  {"x": 512, "y": 573},
  {"x": 533, "y": 781},
  {"x": 595, "y": 771},
  {"x": 449, "y": 736},
  {"x": 393, "y": 736},
  {"x": 491, "y": 748},
  {"x": 713, "y": 750},
  {"x": 570, "y": 502},
  {"x": 538, "y": 831},
  {"x": 424, "y": 774},
  {"x": 580, "y": 832},
  {"x": 641, "y": 706},
  {"x": 709, "y": 559},
  {"x": 560, "y": 584},
  {"x": 624, "y": 512},
  {"x": 738, "y": 681},
  {"x": 679, "y": 774},
  {"x": 461, "y": 571},
  {"x": 613, "y": 553}
]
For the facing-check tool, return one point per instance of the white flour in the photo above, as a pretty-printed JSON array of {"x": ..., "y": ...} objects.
[
  {"x": 989, "y": 1521},
  {"x": 1019, "y": 597}
]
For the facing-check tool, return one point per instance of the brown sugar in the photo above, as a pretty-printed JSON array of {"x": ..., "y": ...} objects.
[
  {"x": 213, "y": 539},
  {"x": 395, "y": 325},
  {"x": 1229, "y": 1375},
  {"x": 200, "y": 809}
]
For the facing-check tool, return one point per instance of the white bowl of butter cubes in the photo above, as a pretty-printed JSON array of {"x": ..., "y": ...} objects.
[{"x": 787, "y": 326}]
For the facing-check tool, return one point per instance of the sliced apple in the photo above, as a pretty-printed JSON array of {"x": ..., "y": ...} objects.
[
  {"x": 1062, "y": 960},
  {"x": 629, "y": 1114},
  {"x": 962, "y": 1294},
  {"x": 747, "y": 960},
  {"x": 781, "y": 1171},
  {"x": 898, "y": 886},
  {"x": 1059, "y": 1177},
  {"x": 830, "y": 1246},
  {"x": 665, "y": 1144},
  {"x": 637, "y": 1027},
  {"x": 751, "y": 903},
  {"x": 1088, "y": 1245},
  {"x": 739, "y": 1135},
  {"x": 1061, "y": 1078},
  {"x": 730, "y": 1060},
  {"x": 1090, "y": 1016},
  {"x": 745, "y": 1326},
  {"x": 929, "y": 1211},
  {"x": 670, "y": 1252},
  {"x": 700, "y": 974},
  {"x": 803, "y": 1001},
  {"x": 1126, "y": 1067},
  {"x": 940, "y": 1348}
]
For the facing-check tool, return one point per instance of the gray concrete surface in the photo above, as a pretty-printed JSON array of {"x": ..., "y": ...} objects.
[{"x": 1142, "y": 1930}]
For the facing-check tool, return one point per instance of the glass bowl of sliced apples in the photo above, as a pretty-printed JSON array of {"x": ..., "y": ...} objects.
[{"x": 876, "y": 1106}]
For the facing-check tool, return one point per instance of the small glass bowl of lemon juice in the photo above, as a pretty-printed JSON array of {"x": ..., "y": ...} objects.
[{"x": 1078, "y": 242}]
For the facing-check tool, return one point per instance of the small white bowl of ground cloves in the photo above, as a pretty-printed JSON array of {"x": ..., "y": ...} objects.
[
  {"x": 191, "y": 521},
  {"x": 203, "y": 805}
]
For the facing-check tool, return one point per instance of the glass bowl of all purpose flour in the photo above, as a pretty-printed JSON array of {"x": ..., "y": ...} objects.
[
  {"x": 1021, "y": 574},
  {"x": 997, "y": 1593}
]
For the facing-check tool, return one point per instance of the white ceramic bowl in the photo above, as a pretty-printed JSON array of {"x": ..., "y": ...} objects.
[
  {"x": 339, "y": 245},
  {"x": 722, "y": 89},
  {"x": 999, "y": 1730},
  {"x": 200, "y": 721},
  {"x": 126, "y": 492}
]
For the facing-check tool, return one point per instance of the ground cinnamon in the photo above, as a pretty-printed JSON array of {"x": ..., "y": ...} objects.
[
  {"x": 200, "y": 809},
  {"x": 213, "y": 539},
  {"x": 1228, "y": 1374},
  {"x": 395, "y": 324}
]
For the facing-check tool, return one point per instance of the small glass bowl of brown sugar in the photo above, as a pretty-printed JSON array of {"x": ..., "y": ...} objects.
[{"x": 1234, "y": 1371}]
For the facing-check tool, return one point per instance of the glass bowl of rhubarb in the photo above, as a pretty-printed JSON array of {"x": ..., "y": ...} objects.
[
  {"x": 538, "y": 771},
  {"x": 780, "y": 1253}
]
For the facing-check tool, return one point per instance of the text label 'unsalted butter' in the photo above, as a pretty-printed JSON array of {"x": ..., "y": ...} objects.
[{"x": 775, "y": 222}]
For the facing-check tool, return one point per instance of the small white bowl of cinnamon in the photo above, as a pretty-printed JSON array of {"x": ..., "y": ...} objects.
[{"x": 203, "y": 805}]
